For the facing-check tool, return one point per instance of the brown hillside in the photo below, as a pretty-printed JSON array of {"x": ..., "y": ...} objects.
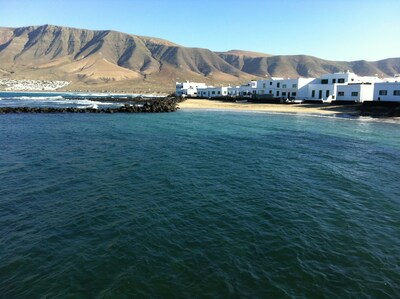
[{"x": 111, "y": 60}]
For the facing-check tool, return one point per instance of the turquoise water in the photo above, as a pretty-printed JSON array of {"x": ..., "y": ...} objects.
[{"x": 198, "y": 204}]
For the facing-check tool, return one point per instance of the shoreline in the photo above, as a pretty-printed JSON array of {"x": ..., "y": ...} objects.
[
  {"x": 320, "y": 109},
  {"x": 345, "y": 112}
]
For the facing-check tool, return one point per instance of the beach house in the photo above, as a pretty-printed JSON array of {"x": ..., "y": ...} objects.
[
  {"x": 338, "y": 87},
  {"x": 245, "y": 90},
  {"x": 283, "y": 88},
  {"x": 212, "y": 92},
  {"x": 187, "y": 88},
  {"x": 387, "y": 91},
  {"x": 354, "y": 93},
  {"x": 341, "y": 86}
]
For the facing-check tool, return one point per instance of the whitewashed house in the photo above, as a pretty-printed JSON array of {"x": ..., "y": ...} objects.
[
  {"x": 345, "y": 86},
  {"x": 188, "y": 88},
  {"x": 324, "y": 88},
  {"x": 212, "y": 92},
  {"x": 387, "y": 91},
  {"x": 283, "y": 88},
  {"x": 245, "y": 90},
  {"x": 266, "y": 88},
  {"x": 355, "y": 92},
  {"x": 332, "y": 87},
  {"x": 293, "y": 88}
]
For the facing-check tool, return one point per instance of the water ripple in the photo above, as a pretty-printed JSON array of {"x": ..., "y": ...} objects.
[{"x": 198, "y": 204}]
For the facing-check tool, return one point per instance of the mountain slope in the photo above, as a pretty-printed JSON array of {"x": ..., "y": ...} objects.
[{"x": 111, "y": 60}]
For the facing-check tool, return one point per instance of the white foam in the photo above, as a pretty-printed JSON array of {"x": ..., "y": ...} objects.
[{"x": 54, "y": 98}]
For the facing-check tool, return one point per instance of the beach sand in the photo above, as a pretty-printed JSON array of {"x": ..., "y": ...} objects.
[{"x": 324, "y": 109}]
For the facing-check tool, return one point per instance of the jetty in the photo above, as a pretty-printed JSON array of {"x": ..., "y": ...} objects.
[{"x": 148, "y": 105}]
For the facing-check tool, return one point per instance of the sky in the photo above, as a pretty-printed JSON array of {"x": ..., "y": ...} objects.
[{"x": 344, "y": 30}]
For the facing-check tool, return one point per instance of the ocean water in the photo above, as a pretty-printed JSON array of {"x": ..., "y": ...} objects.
[
  {"x": 63, "y": 99},
  {"x": 198, "y": 204}
]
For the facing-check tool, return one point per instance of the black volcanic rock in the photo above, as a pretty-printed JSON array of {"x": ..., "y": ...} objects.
[{"x": 155, "y": 105}]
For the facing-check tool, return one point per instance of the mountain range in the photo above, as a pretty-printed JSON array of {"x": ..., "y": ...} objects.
[{"x": 112, "y": 60}]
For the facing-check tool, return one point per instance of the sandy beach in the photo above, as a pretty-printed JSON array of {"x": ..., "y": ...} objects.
[{"x": 324, "y": 109}]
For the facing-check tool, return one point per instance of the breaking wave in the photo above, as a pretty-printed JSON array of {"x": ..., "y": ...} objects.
[{"x": 62, "y": 100}]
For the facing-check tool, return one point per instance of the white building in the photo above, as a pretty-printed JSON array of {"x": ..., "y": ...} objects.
[
  {"x": 188, "y": 88},
  {"x": 212, "y": 92},
  {"x": 387, "y": 91},
  {"x": 345, "y": 86},
  {"x": 333, "y": 87},
  {"x": 355, "y": 92},
  {"x": 245, "y": 90},
  {"x": 283, "y": 88}
]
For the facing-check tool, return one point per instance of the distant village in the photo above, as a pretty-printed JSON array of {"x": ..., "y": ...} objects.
[
  {"x": 31, "y": 85},
  {"x": 337, "y": 87}
]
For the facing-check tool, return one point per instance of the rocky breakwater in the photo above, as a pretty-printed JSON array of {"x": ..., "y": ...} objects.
[
  {"x": 156, "y": 105},
  {"x": 380, "y": 109}
]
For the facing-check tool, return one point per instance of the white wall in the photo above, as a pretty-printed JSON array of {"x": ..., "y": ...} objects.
[
  {"x": 335, "y": 78},
  {"x": 325, "y": 92},
  {"x": 188, "y": 88},
  {"x": 212, "y": 92},
  {"x": 265, "y": 87},
  {"x": 242, "y": 90},
  {"x": 284, "y": 88},
  {"x": 392, "y": 90},
  {"x": 355, "y": 92},
  {"x": 303, "y": 87}
]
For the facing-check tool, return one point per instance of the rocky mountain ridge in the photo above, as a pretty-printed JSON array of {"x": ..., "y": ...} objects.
[{"x": 112, "y": 60}]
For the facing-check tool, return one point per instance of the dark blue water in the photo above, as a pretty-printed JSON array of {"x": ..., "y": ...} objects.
[{"x": 198, "y": 204}]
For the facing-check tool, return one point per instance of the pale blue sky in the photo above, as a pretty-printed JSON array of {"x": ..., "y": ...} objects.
[{"x": 333, "y": 30}]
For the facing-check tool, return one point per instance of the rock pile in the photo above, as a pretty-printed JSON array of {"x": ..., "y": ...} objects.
[
  {"x": 380, "y": 109},
  {"x": 168, "y": 104}
]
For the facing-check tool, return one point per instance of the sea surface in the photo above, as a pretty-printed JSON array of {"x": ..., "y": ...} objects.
[
  {"x": 65, "y": 99},
  {"x": 198, "y": 204}
]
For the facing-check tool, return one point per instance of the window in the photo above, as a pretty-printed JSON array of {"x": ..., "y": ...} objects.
[
  {"x": 340, "y": 80},
  {"x": 327, "y": 93},
  {"x": 283, "y": 85},
  {"x": 219, "y": 92},
  {"x": 294, "y": 85},
  {"x": 270, "y": 92},
  {"x": 313, "y": 93},
  {"x": 277, "y": 93},
  {"x": 294, "y": 93},
  {"x": 270, "y": 83},
  {"x": 278, "y": 84},
  {"x": 340, "y": 93},
  {"x": 333, "y": 81},
  {"x": 324, "y": 81},
  {"x": 284, "y": 93},
  {"x": 396, "y": 92},
  {"x": 213, "y": 92},
  {"x": 354, "y": 94},
  {"x": 383, "y": 92}
]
